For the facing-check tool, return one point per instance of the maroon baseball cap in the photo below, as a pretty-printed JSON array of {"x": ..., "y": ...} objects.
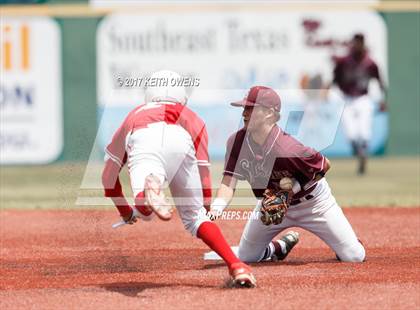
[{"x": 260, "y": 95}]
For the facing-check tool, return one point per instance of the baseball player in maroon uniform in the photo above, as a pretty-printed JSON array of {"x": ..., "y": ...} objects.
[
  {"x": 163, "y": 140},
  {"x": 352, "y": 75},
  {"x": 263, "y": 154}
]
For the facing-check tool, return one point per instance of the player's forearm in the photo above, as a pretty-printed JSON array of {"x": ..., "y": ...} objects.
[
  {"x": 224, "y": 194},
  {"x": 323, "y": 172},
  {"x": 205, "y": 178},
  {"x": 327, "y": 165},
  {"x": 113, "y": 189},
  {"x": 119, "y": 200},
  {"x": 383, "y": 88},
  {"x": 318, "y": 176},
  {"x": 110, "y": 179}
]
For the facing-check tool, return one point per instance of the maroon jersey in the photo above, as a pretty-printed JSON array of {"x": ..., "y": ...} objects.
[
  {"x": 353, "y": 76},
  {"x": 263, "y": 166}
]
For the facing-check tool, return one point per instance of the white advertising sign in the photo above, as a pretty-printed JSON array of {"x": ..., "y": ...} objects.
[
  {"x": 131, "y": 3},
  {"x": 228, "y": 50},
  {"x": 31, "y": 126}
]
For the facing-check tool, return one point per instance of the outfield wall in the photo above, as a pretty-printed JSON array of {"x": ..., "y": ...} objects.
[
  {"x": 80, "y": 96},
  {"x": 404, "y": 79},
  {"x": 79, "y": 87}
]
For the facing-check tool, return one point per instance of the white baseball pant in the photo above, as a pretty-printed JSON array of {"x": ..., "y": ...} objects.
[
  {"x": 357, "y": 117},
  {"x": 167, "y": 151},
  {"x": 320, "y": 215}
]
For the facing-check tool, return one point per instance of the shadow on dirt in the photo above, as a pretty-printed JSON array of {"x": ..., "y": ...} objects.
[
  {"x": 266, "y": 263},
  {"x": 295, "y": 262},
  {"x": 132, "y": 289}
]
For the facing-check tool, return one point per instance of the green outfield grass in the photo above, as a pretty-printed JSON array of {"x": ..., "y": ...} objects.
[{"x": 390, "y": 181}]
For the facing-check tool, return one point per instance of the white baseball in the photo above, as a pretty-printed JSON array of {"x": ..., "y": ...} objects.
[{"x": 286, "y": 183}]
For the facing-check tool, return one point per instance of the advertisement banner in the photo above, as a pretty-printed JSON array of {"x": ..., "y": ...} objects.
[
  {"x": 31, "y": 127},
  {"x": 292, "y": 52}
]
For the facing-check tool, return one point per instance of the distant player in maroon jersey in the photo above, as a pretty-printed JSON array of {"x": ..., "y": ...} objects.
[
  {"x": 352, "y": 75},
  {"x": 162, "y": 141},
  {"x": 262, "y": 154}
]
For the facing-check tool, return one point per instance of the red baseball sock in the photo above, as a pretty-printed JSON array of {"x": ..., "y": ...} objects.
[
  {"x": 122, "y": 206},
  {"x": 124, "y": 209},
  {"x": 211, "y": 235}
]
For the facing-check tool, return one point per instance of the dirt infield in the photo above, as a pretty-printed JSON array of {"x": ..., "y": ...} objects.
[{"x": 73, "y": 259}]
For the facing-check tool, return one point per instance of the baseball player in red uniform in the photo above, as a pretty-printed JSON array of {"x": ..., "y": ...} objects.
[
  {"x": 263, "y": 154},
  {"x": 162, "y": 141},
  {"x": 352, "y": 75}
]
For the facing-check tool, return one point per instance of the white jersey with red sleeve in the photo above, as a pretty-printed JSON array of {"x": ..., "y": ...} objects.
[
  {"x": 169, "y": 141},
  {"x": 197, "y": 130},
  {"x": 170, "y": 113},
  {"x": 116, "y": 150}
]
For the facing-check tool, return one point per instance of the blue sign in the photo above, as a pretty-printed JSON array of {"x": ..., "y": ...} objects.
[{"x": 320, "y": 129}]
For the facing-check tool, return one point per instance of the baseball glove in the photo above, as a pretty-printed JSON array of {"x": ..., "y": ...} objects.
[{"x": 274, "y": 206}]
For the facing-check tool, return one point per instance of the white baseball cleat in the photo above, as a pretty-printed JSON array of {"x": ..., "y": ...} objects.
[{"x": 155, "y": 198}]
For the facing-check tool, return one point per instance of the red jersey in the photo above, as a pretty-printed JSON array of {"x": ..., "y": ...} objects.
[
  {"x": 170, "y": 113},
  {"x": 353, "y": 76},
  {"x": 263, "y": 166}
]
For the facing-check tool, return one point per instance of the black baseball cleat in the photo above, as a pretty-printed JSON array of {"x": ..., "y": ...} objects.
[{"x": 290, "y": 239}]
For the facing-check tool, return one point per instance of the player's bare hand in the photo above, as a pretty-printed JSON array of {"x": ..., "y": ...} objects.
[
  {"x": 155, "y": 198},
  {"x": 383, "y": 107}
]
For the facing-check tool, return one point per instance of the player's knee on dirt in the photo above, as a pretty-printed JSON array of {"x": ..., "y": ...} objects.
[
  {"x": 353, "y": 254},
  {"x": 249, "y": 256}
]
